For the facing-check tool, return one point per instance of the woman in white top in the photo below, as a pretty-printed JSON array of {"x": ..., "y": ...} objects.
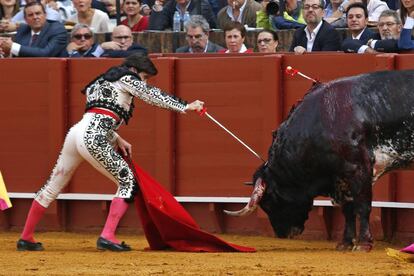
[{"x": 97, "y": 20}]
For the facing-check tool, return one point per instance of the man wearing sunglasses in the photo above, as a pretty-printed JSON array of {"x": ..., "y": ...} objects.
[{"x": 82, "y": 43}]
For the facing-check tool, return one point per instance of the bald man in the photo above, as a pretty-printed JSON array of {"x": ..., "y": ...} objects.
[{"x": 122, "y": 43}]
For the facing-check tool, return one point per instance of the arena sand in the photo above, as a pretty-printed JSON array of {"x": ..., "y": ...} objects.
[{"x": 75, "y": 254}]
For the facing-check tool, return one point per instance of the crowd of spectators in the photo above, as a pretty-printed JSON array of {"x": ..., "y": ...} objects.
[{"x": 40, "y": 27}]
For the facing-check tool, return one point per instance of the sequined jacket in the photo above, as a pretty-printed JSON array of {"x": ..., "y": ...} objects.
[{"x": 115, "y": 90}]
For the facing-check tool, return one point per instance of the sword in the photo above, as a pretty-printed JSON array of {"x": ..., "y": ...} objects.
[{"x": 204, "y": 112}]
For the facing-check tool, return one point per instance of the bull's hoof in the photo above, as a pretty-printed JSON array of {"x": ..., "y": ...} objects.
[
  {"x": 367, "y": 247},
  {"x": 344, "y": 246}
]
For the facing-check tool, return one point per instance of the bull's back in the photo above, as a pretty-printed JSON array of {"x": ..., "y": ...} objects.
[{"x": 337, "y": 118}]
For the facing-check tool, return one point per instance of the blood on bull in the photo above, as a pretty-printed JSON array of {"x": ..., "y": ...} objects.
[{"x": 337, "y": 142}]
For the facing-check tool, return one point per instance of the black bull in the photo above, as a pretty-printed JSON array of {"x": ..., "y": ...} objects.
[{"x": 337, "y": 142}]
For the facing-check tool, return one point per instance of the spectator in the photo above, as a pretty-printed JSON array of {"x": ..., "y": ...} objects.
[
  {"x": 406, "y": 7},
  {"x": 243, "y": 11},
  {"x": 82, "y": 43},
  {"x": 291, "y": 15},
  {"x": 37, "y": 39},
  {"x": 234, "y": 35},
  {"x": 267, "y": 41},
  {"x": 51, "y": 14},
  {"x": 8, "y": 8},
  {"x": 97, "y": 20},
  {"x": 134, "y": 20},
  {"x": 121, "y": 44},
  {"x": 406, "y": 41},
  {"x": 357, "y": 20},
  {"x": 163, "y": 19},
  {"x": 318, "y": 35},
  {"x": 374, "y": 8},
  {"x": 197, "y": 30},
  {"x": 145, "y": 11},
  {"x": 264, "y": 17},
  {"x": 389, "y": 26},
  {"x": 331, "y": 9}
]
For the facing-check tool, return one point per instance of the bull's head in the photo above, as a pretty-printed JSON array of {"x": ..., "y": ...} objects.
[{"x": 286, "y": 208}]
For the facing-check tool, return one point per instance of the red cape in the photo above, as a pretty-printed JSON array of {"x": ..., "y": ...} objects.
[{"x": 167, "y": 225}]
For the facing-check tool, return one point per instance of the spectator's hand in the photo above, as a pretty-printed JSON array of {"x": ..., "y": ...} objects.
[
  {"x": 72, "y": 46},
  {"x": 53, "y": 4},
  {"x": 196, "y": 105},
  {"x": 5, "y": 45},
  {"x": 111, "y": 45},
  {"x": 369, "y": 50},
  {"x": 412, "y": 14},
  {"x": 124, "y": 146},
  {"x": 7, "y": 26},
  {"x": 299, "y": 50}
]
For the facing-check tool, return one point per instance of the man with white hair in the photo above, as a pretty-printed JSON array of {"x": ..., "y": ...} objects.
[
  {"x": 386, "y": 40},
  {"x": 197, "y": 30}
]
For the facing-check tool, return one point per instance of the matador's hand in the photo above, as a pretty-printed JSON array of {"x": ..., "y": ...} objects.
[
  {"x": 196, "y": 105},
  {"x": 124, "y": 146}
]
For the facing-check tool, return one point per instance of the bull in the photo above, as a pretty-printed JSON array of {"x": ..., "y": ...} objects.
[{"x": 337, "y": 142}]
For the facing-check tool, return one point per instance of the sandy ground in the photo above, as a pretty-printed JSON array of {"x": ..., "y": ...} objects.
[{"x": 75, "y": 254}]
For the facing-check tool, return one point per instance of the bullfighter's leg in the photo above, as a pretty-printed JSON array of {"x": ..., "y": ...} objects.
[
  {"x": 100, "y": 153},
  {"x": 350, "y": 229},
  {"x": 66, "y": 165}
]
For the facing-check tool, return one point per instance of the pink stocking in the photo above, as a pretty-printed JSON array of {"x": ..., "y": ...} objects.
[
  {"x": 408, "y": 249},
  {"x": 116, "y": 212},
  {"x": 35, "y": 214}
]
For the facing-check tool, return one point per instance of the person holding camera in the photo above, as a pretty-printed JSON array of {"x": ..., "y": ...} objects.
[{"x": 270, "y": 8}]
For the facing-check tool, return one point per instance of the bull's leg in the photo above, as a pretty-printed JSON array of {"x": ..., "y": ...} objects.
[
  {"x": 349, "y": 235},
  {"x": 363, "y": 208}
]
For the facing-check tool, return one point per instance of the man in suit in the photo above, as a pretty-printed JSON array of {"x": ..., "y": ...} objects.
[
  {"x": 317, "y": 35},
  {"x": 389, "y": 27},
  {"x": 357, "y": 21},
  {"x": 38, "y": 38},
  {"x": 163, "y": 19},
  {"x": 197, "y": 30},
  {"x": 82, "y": 43},
  {"x": 122, "y": 44}
]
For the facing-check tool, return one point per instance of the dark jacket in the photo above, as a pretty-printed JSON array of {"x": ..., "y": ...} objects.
[
  {"x": 327, "y": 39},
  {"x": 385, "y": 46},
  {"x": 134, "y": 48},
  {"x": 94, "y": 51},
  {"x": 164, "y": 19},
  {"x": 406, "y": 41},
  {"x": 211, "y": 48},
  {"x": 50, "y": 43},
  {"x": 350, "y": 46}
]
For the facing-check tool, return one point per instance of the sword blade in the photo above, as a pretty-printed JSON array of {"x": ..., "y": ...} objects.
[{"x": 234, "y": 136}]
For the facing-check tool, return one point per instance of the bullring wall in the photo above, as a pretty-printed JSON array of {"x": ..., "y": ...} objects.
[{"x": 188, "y": 154}]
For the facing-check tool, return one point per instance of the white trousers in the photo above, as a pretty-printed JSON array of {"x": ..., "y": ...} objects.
[{"x": 90, "y": 140}]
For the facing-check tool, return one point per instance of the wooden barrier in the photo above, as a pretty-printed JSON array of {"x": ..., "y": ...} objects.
[{"x": 189, "y": 155}]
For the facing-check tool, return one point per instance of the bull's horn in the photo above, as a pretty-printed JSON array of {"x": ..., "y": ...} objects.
[{"x": 259, "y": 188}]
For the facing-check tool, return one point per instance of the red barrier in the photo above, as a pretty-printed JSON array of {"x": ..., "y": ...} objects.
[
  {"x": 242, "y": 94},
  {"x": 188, "y": 154},
  {"x": 32, "y": 112}
]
